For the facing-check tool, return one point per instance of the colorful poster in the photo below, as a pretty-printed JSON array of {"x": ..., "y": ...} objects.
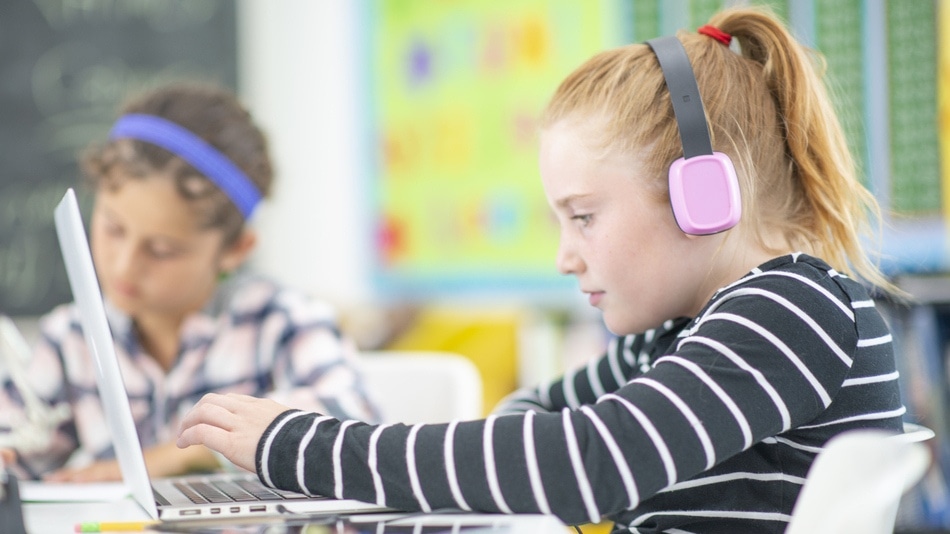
[{"x": 456, "y": 90}]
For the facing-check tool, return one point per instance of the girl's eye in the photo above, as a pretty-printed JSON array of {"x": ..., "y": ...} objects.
[{"x": 584, "y": 219}]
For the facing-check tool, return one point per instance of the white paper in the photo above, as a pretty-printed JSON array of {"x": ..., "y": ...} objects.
[{"x": 34, "y": 491}]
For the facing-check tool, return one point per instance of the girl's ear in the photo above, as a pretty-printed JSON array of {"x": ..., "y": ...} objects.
[{"x": 235, "y": 255}]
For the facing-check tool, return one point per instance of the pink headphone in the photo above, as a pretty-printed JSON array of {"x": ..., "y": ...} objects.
[{"x": 704, "y": 190}]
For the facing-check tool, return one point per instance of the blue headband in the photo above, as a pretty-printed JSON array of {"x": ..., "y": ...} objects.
[{"x": 196, "y": 151}]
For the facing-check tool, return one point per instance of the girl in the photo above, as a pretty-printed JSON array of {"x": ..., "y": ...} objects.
[
  {"x": 743, "y": 344},
  {"x": 182, "y": 171}
]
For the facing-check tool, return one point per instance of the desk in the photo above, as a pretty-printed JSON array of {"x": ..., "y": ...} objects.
[{"x": 61, "y": 518}]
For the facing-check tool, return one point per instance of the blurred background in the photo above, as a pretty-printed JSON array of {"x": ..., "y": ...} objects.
[{"x": 404, "y": 135}]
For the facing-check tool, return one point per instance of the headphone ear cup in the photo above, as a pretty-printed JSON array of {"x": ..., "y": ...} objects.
[{"x": 704, "y": 194}]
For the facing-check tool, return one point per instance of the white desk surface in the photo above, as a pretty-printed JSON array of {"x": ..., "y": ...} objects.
[{"x": 56, "y": 518}]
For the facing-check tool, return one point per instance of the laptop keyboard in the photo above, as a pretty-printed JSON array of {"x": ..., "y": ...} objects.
[{"x": 225, "y": 491}]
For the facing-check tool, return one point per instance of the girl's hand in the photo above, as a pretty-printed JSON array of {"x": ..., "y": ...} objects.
[{"x": 230, "y": 424}]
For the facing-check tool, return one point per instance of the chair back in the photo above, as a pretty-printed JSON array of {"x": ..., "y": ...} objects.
[
  {"x": 856, "y": 482},
  {"x": 423, "y": 386}
]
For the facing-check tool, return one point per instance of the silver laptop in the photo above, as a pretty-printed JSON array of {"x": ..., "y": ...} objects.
[{"x": 173, "y": 498}]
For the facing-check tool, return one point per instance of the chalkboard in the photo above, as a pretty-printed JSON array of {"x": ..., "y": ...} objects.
[{"x": 65, "y": 67}]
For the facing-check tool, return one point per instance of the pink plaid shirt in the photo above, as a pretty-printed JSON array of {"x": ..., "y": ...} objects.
[{"x": 255, "y": 338}]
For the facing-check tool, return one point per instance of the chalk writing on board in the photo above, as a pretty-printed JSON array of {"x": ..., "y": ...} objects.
[{"x": 66, "y": 66}]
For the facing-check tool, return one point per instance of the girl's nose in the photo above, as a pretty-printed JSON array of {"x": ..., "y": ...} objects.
[{"x": 568, "y": 262}]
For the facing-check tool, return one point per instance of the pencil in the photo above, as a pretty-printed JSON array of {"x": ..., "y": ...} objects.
[{"x": 115, "y": 526}]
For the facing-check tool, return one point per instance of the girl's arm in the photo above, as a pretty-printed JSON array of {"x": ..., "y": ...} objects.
[
  {"x": 626, "y": 358},
  {"x": 580, "y": 386},
  {"x": 755, "y": 368}
]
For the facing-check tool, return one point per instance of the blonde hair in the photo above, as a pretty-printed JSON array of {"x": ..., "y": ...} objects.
[{"x": 767, "y": 108}]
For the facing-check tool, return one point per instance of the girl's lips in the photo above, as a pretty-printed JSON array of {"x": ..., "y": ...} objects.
[{"x": 594, "y": 298}]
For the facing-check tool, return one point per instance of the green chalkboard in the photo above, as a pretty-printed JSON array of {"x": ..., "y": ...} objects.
[{"x": 65, "y": 67}]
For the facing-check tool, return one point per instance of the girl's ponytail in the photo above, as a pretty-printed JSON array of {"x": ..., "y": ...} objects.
[{"x": 835, "y": 209}]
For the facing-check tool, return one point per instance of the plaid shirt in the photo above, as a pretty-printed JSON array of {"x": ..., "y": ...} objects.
[{"x": 254, "y": 338}]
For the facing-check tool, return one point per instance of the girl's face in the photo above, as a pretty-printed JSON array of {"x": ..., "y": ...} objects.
[
  {"x": 151, "y": 257},
  {"x": 618, "y": 238}
]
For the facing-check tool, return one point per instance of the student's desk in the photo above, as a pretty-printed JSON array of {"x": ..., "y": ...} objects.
[{"x": 56, "y": 518}]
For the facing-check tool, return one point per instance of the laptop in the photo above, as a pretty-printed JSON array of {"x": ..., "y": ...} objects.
[{"x": 216, "y": 495}]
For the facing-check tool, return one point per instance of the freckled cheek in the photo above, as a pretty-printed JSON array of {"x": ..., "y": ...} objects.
[{"x": 614, "y": 245}]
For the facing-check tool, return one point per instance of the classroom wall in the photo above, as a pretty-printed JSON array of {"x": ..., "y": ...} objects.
[{"x": 299, "y": 75}]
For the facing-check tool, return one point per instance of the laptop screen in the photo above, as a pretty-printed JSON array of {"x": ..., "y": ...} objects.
[{"x": 112, "y": 393}]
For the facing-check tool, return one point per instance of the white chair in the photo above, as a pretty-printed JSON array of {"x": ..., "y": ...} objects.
[
  {"x": 856, "y": 482},
  {"x": 423, "y": 386}
]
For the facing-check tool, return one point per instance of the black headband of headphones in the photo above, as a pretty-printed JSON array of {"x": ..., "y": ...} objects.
[{"x": 684, "y": 93}]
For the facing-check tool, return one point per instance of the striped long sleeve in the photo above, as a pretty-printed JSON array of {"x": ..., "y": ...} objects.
[{"x": 706, "y": 424}]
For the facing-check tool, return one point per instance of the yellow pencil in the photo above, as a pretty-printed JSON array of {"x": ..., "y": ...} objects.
[{"x": 114, "y": 526}]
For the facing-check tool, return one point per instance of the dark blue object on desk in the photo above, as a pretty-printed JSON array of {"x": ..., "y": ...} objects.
[{"x": 11, "y": 512}]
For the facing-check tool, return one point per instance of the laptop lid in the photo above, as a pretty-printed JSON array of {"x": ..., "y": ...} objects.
[{"x": 115, "y": 401}]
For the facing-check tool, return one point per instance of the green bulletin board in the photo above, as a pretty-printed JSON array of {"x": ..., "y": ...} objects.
[
  {"x": 646, "y": 19},
  {"x": 912, "y": 80},
  {"x": 838, "y": 35},
  {"x": 911, "y": 188},
  {"x": 882, "y": 66}
]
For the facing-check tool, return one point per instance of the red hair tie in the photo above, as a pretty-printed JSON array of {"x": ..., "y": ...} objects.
[{"x": 716, "y": 34}]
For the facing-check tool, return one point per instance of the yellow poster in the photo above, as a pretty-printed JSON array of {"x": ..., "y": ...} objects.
[{"x": 457, "y": 87}]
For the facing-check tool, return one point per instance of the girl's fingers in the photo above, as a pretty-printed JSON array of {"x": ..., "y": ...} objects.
[
  {"x": 211, "y": 436},
  {"x": 211, "y": 411},
  {"x": 229, "y": 424}
]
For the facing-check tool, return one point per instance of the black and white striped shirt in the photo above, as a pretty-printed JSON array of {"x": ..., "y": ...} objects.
[{"x": 703, "y": 425}]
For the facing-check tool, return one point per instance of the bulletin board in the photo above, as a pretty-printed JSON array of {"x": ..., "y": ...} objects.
[
  {"x": 904, "y": 129},
  {"x": 455, "y": 92},
  {"x": 883, "y": 60}
]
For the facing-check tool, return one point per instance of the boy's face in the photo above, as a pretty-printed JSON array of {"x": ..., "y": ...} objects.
[
  {"x": 617, "y": 237},
  {"x": 151, "y": 257}
]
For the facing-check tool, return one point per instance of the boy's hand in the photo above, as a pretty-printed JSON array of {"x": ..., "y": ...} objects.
[
  {"x": 230, "y": 424},
  {"x": 162, "y": 460},
  {"x": 101, "y": 471},
  {"x": 7, "y": 456}
]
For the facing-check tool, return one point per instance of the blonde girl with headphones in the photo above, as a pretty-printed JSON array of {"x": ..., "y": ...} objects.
[{"x": 722, "y": 244}]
